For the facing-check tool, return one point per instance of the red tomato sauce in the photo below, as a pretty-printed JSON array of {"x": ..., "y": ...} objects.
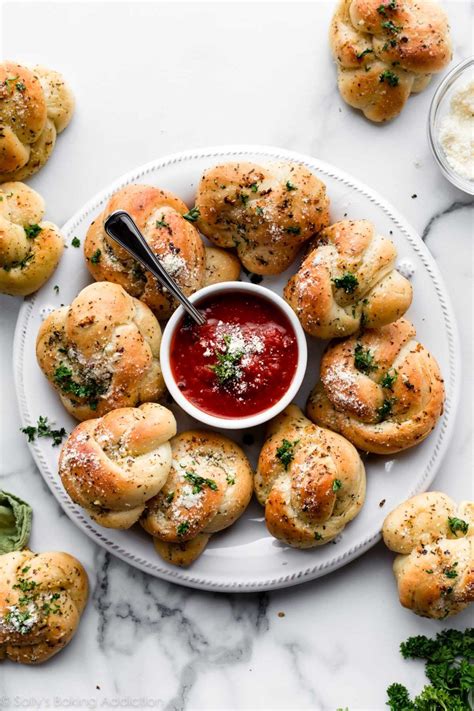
[{"x": 241, "y": 361}]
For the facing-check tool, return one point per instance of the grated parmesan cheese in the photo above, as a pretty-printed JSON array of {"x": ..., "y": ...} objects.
[{"x": 457, "y": 132}]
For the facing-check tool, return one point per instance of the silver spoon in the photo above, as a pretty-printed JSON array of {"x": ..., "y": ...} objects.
[{"x": 121, "y": 227}]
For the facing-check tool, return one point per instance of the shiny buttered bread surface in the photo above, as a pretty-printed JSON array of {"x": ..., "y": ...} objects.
[
  {"x": 435, "y": 541},
  {"x": 310, "y": 480},
  {"x": 30, "y": 248},
  {"x": 113, "y": 465},
  {"x": 265, "y": 212},
  {"x": 208, "y": 489},
  {"x": 35, "y": 105},
  {"x": 173, "y": 239},
  {"x": 101, "y": 352},
  {"x": 42, "y": 597},
  {"x": 382, "y": 389},
  {"x": 386, "y": 50},
  {"x": 348, "y": 280}
]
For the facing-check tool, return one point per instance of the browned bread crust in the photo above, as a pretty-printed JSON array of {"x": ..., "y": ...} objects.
[
  {"x": 386, "y": 50},
  {"x": 265, "y": 212},
  {"x": 42, "y": 597},
  {"x": 175, "y": 241},
  {"x": 435, "y": 540},
  {"x": 207, "y": 490},
  {"x": 349, "y": 278},
  {"x": 35, "y": 105},
  {"x": 310, "y": 480},
  {"x": 382, "y": 389},
  {"x": 101, "y": 352},
  {"x": 113, "y": 465}
]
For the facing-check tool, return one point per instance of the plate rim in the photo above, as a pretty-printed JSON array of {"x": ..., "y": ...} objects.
[{"x": 184, "y": 576}]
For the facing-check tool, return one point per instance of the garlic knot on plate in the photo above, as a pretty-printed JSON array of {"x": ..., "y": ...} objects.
[
  {"x": 435, "y": 542},
  {"x": 265, "y": 212},
  {"x": 101, "y": 352},
  {"x": 30, "y": 248},
  {"x": 35, "y": 105},
  {"x": 42, "y": 597},
  {"x": 347, "y": 280},
  {"x": 381, "y": 389},
  {"x": 208, "y": 489},
  {"x": 113, "y": 465},
  {"x": 168, "y": 227},
  {"x": 310, "y": 480},
  {"x": 386, "y": 50}
]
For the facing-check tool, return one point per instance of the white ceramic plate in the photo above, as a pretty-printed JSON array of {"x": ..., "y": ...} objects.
[{"x": 246, "y": 557}]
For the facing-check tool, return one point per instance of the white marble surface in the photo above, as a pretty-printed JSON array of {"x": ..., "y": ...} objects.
[{"x": 150, "y": 79}]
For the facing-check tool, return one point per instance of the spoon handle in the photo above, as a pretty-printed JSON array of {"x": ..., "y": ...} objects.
[{"x": 121, "y": 227}]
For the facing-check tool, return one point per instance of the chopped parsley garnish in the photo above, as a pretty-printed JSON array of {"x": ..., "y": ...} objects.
[
  {"x": 89, "y": 390},
  {"x": 22, "y": 263},
  {"x": 193, "y": 215},
  {"x": 244, "y": 198},
  {"x": 290, "y": 186},
  {"x": 183, "y": 528},
  {"x": 360, "y": 55},
  {"x": 20, "y": 86},
  {"x": 336, "y": 485},
  {"x": 293, "y": 230},
  {"x": 163, "y": 223},
  {"x": 391, "y": 27},
  {"x": 391, "y": 78},
  {"x": 388, "y": 379},
  {"x": 451, "y": 572},
  {"x": 169, "y": 497},
  {"x": 43, "y": 429},
  {"x": 259, "y": 210},
  {"x": 448, "y": 666},
  {"x": 32, "y": 603},
  {"x": 56, "y": 288},
  {"x": 457, "y": 524},
  {"x": 318, "y": 536},
  {"x": 364, "y": 359},
  {"x": 254, "y": 187},
  {"x": 348, "y": 282},
  {"x": 32, "y": 231},
  {"x": 230, "y": 479},
  {"x": 76, "y": 242},
  {"x": 95, "y": 258},
  {"x": 382, "y": 9},
  {"x": 227, "y": 367},
  {"x": 286, "y": 452},
  {"x": 386, "y": 408},
  {"x": 199, "y": 482}
]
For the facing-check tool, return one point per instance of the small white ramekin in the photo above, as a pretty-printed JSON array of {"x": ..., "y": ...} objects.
[
  {"x": 237, "y": 423},
  {"x": 457, "y": 77}
]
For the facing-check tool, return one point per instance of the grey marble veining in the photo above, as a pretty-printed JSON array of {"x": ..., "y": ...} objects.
[{"x": 204, "y": 74}]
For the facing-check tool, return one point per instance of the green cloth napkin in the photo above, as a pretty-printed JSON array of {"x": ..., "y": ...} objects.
[{"x": 15, "y": 523}]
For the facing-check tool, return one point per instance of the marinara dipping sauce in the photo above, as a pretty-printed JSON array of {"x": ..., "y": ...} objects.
[{"x": 241, "y": 361}]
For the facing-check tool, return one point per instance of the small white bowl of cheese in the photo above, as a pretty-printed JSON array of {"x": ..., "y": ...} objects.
[{"x": 451, "y": 126}]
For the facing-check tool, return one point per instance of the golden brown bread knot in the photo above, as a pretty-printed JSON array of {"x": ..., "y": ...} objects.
[
  {"x": 266, "y": 213},
  {"x": 347, "y": 279},
  {"x": 208, "y": 488},
  {"x": 35, "y": 105},
  {"x": 174, "y": 239},
  {"x": 30, "y": 249},
  {"x": 101, "y": 352},
  {"x": 435, "y": 571},
  {"x": 387, "y": 49},
  {"x": 382, "y": 389},
  {"x": 42, "y": 597},
  {"x": 113, "y": 465},
  {"x": 310, "y": 480}
]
